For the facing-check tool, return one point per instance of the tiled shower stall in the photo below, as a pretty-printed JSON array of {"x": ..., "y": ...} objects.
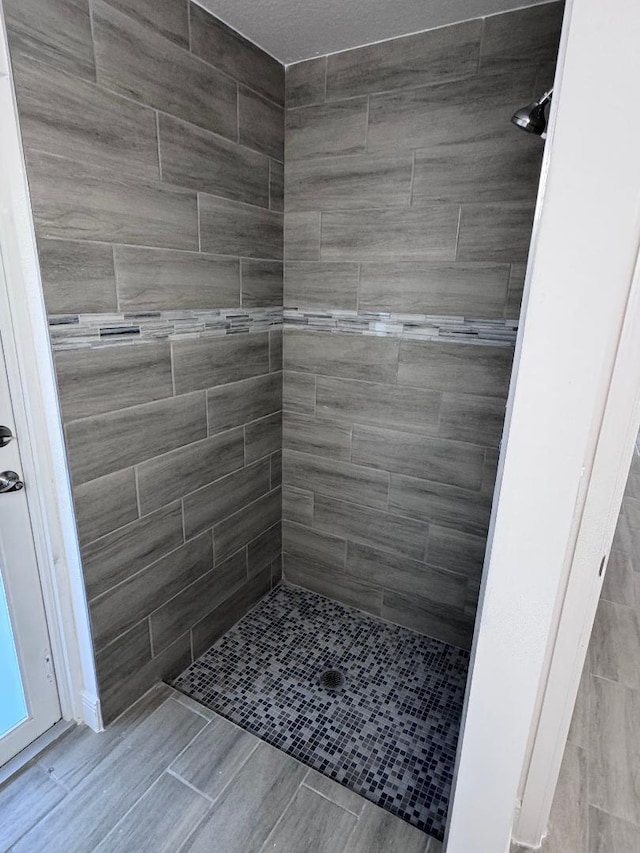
[{"x": 283, "y": 306}]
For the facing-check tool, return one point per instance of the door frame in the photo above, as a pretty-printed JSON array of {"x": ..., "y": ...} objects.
[
  {"x": 33, "y": 386},
  {"x": 572, "y": 419}
]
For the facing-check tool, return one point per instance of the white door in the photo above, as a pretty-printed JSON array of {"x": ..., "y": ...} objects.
[{"x": 29, "y": 703}]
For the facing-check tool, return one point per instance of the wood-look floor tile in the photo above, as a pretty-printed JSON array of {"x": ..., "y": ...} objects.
[
  {"x": 159, "y": 821},
  {"x": 24, "y": 800},
  {"x": 215, "y": 756},
  {"x": 378, "y": 831},
  {"x": 82, "y": 820},
  {"x": 262, "y": 789},
  {"x": 311, "y": 822}
]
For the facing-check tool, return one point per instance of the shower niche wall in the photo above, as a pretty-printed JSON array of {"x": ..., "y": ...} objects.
[{"x": 167, "y": 156}]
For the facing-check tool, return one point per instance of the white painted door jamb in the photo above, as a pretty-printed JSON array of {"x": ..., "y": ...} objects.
[{"x": 31, "y": 372}]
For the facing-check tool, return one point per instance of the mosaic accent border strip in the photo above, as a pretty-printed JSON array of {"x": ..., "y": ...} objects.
[
  {"x": 416, "y": 327},
  {"x": 76, "y": 331}
]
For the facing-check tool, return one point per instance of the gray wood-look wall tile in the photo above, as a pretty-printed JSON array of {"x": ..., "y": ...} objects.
[
  {"x": 209, "y": 629},
  {"x": 339, "y": 128},
  {"x": 167, "y": 17},
  {"x": 469, "y": 417},
  {"x": 118, "y": 661},
  {"x": 297, "y": 505},
  {"x": 263, "y": 437},
  {"x": 260, "y": 124},
  {"x": 378, "y": 831},
  {"x": 197, "y": 600},
  {"x": 95, "y": 381},
  {"x": 394, "y": 572},
  {"x": 495, "y": 232},
  {"x": 305, "y": 544},
  {"x": 471, "y": 290},
  {"x": 223, "y": 47},
  {"x": 123, "y": 777},
  {"x": 261, "y": 552},
  {"x": 458, "y": 112},
  {"x": 58, "y": 33},
  {"x": 424, "y": 233},
  {"x": 165, "y": 478},
  {"x": 516, "y": 289},
  {"x": 137, "y": 62},
  {"x": 79, "y": 201},
  {"x": 119, "y": 555},
  {"x": 453, "y": 463},
  {"x": 160, "y": 820},
  {"x": 440, "y": 503},
  {"x": 608, "y": 833},
  {"x": 67, "y": 116},
  {"x": 195, "y": 158},
  {"x": 523, "y": 36},
  {"x": 337, "y": 479},
  {"x": 207, "y": 362},
  {"x": 299, "y": 393},
  {"x": 212, "y": 760},
  {"x": 262, "y": 283},
  {"x": 263, "y": 787},
  {"x": 126, "y": 604},
  {"x": 77, "y": 277},
  {"x": 457, "y": 551},
  {"x": 371, "y": 527},
  {"x": 239, "y": 529},
  {"x": 614, "y": 749},
  {"x": 105, "y": 504},
  {"x": 276, "y": 360},
  {"x": 313, "y": 821},
  {"x": 305, "y": 82},
  {"x": 318, "y": 437},
  {"x": 347, "y": 356},
  {"x": 276, "y": 186},
  {"x": 579, "y": 730},
  {"x": 210, "y": 505},
  {"x": 332, "y": 583},
  {"x": 503, "y": 168},
  {"x": 168, "y": 664},
  {"x": 302, "y": 236},
  {"x": 388, "y": 405},
  {"x": 428, "y": 617},
  {"x": 163, "y": 279},
  {"x": 351, "y": 182},
  {"x": 276, "y": 468},
  {"x": 484, "y": 370},
  {"x": 310, "y": 284},
  {"x": 231, "y": 228},
  {"x": 132, "y": 435},
  {"x": 240, "y": 402},
  {"x": 446, "y": 53},
  {"x": 28, "y": 798}
]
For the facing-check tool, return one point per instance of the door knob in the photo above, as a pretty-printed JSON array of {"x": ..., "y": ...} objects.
[
  {"x": 10, "y": 482},
  {"x": 5, "y": 435}
]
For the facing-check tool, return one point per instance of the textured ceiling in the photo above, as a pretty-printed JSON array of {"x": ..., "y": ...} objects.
[{"x": 292, "y": 30}]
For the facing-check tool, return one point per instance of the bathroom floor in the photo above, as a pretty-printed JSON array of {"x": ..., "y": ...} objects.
[{"x": 389, "y": 732}]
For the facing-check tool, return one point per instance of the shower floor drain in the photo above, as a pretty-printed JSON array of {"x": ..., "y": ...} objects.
[{"x": 332, "y": 679}]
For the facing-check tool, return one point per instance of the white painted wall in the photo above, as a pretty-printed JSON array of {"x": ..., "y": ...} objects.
[{"x": 581, "y": 265}]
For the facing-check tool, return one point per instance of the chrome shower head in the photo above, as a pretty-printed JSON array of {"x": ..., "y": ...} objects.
[{"x": 532, "y": 118}]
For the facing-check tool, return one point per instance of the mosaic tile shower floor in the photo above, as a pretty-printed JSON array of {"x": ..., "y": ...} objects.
[{"x": 390, "y": 733}]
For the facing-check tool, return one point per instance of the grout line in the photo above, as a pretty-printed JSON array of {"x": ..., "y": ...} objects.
[
  {"x": 158, "y": 144},
  {"x": 189, "y": 35}
]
